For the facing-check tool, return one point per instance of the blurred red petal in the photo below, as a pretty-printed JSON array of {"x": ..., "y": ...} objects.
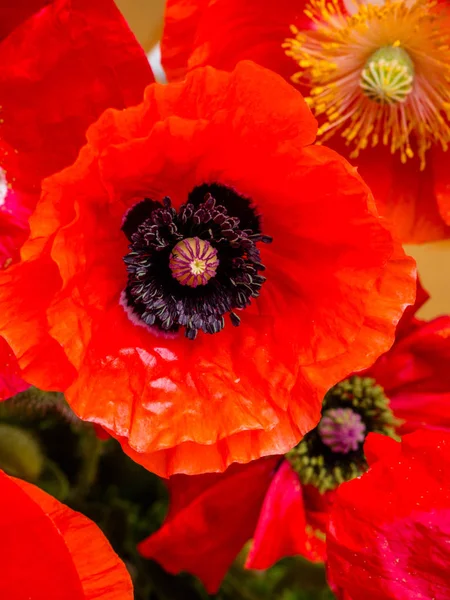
[
  {"x": 283, "y": 527},
  {"x": 415, "y": 374},
  {"x": 389, "y": 529},
  {"x": 194, "y": 34},
  {"x": 74, "y": 59},
  {"x": 417, "y": 202},
  {"x": 210, "y": 519},
  {"x": 12, "y": 14},
  {"x": 442, "y": 183},
  {"x": 404, "y": 193},
  {"x": 50, "y": 552}
]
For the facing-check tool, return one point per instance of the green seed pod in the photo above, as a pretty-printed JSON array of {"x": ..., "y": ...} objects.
[{"x": 20, "y": 453}]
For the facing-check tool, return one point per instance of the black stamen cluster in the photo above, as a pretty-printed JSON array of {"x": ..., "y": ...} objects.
[{"x": 213, "y": 213}]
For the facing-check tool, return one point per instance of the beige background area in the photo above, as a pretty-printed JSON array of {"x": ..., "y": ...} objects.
[
  {"x": 433, "y": 263},
  {"x": 145, "y": 19}
]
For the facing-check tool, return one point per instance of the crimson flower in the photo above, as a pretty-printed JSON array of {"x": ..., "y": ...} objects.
[
  {"x": 50, "y": 552},
  {"x": 201, "y": 274},
  {"x": 388, "y": 531},
  {"x": 379, "y": 90},
  {"x": 283, "y": 503}
]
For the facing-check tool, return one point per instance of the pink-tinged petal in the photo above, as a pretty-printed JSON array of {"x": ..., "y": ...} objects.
[
  {"x": 60, "y": 70},
  {"x": 283, "y": 528},
  {"x": 210, "y": 519},
  {"x": 11, "y": 382},
  {"x": 13, "y": 225},
  {"x": 389, "y": 529}
]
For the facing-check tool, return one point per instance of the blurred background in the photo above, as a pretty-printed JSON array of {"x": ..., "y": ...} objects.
[{"x": 145, "y": 18}]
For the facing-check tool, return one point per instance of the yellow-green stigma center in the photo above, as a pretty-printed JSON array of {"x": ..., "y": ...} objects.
[
  {"x": 388, "y": 76},
  {"x": 333, "y": 452}
]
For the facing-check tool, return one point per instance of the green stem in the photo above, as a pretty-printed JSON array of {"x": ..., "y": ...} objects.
[{"x": 90, "y": 453}]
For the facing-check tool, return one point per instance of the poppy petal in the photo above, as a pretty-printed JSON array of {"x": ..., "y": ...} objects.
[
  {"x": 194, "y": 32},
  {"x": 283, "y": 527},
  {"x": 404, "y": 193},
  {"x": 415, "y": 376},
  {"x": 13, "y": 14},
  {"x": 181, "y": 20},
  {"x": 87, "y": 61},
  {"x": 11, "y": 382},
  {"x": 216, "y": 515},
  {"x": 442, "y": 183},
  {"x": 389, "y": 529},
  {"x": 337, "y": 283},
  {"x": 49, "y": 552}
]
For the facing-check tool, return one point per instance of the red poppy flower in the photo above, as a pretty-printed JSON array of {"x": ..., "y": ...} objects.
[
  {"x": 50, "y": 552},
  {"x": 212, "y": 516},
  {"x": 398, "y": 144},
  {"x": 188, "y": 187},
  {"x": 284, "y": 504},
  {"x": 388, "y": 531}
]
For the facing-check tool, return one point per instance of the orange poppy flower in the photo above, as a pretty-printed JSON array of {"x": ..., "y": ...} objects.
[
  {"x": 159, "y": 234},
  {"x": 396, "y": 133},
  {"x": 50, "y": 552}
]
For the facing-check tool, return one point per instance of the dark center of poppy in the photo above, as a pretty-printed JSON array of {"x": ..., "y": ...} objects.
[
  {"x": 189, "y": 268},
  {"x": 333, "y": 452}
]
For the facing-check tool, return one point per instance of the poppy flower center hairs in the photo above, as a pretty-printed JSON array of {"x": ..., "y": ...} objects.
[
  {"x": 187, "y": 188},
  {"x": 379, "y": 75},
  {"x": 190, "y": 268}
]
